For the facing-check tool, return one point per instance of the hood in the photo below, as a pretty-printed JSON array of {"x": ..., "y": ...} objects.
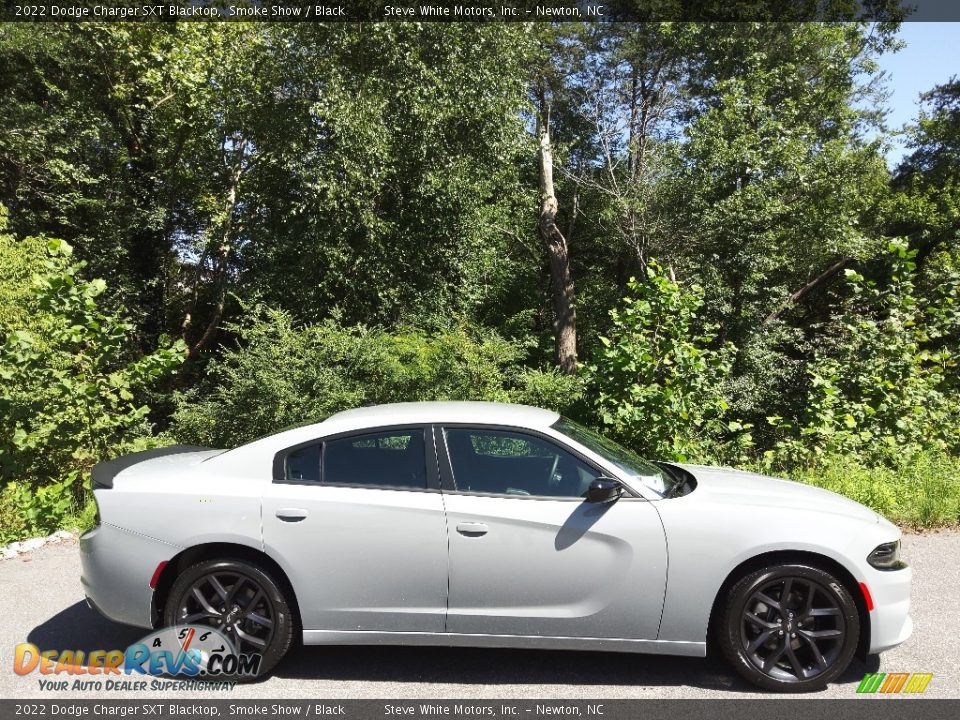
[{"x": 746, "y": 488}]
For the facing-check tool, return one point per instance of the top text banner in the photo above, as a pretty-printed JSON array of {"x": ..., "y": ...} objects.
[{"x": 477, "y": 10}]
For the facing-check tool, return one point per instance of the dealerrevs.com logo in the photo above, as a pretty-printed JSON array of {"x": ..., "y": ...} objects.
[
  {"x": 184, "y": 652},
  {"x": 894, "y": 683}
]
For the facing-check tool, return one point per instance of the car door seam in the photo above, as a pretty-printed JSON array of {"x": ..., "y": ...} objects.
[{"x": 666, "y": 567}]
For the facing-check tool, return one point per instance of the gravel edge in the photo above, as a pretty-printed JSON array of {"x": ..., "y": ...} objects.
[{"x": 21, "y": 547}]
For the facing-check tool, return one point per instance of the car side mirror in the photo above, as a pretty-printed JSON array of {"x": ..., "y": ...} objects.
[{"x": 604, "y": 489}]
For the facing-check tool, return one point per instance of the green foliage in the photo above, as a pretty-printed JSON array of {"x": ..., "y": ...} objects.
[
  {"x": 922, "y": 491},
  {"x": 374, "y": 169},
  {"x": 885, "y": 384},
  {"x": 656, "y": 380},
  {"x": 774, "y": 185},
  {"x": 12, "y": 524},
  {"x": 283, "y": 374},
  {"x": 925, "y": 206},
  {"x": 376, "y": 186},
  {"x": 68, "y": 399},
  {"x": 20, "y": 260},
  {"x": 28, "y": 512}
]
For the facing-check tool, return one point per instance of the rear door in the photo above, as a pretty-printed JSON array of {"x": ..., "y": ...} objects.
[
  {"x": 529, "y": 556},
  {"x": 358, "y": 519}
]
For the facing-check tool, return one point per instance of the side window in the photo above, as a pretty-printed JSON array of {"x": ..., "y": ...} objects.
[
  {"x": 513, "y": 463},
  {"x": 386, "y": 459},
  {"x": 303, "y": 464}
]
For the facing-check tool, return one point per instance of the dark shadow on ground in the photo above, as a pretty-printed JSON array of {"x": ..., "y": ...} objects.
[
  {"x": 520, "y": 667},
  {"x": 80, "y": 628}
]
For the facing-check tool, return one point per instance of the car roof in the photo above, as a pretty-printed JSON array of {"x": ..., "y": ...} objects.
[
  {"x": 248, "y": 459},
  {"x": 487, "y": 413}
]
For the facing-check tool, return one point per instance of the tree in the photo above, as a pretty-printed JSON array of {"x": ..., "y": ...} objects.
[
  {"x": 366, "y": 168},
  {"x": 283, "y": 373},
  {"x": 68, "y": 397},
  {"x": 883, "y": 382},
  {"x": 926, "y": 204},
  {"x": 658, "y": 385},
  {"x": 396, "y": 196},
  {"x": 557, "y": 49},
  {"x": 112, "y": 121},
  {"x": 558, "y": 251},
  {"x": 629, "y": 93},
  {"x": 777, "y": 190}
]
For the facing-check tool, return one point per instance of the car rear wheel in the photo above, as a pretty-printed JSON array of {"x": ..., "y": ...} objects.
[
  {"x": 790, "y": 628},
  {"x": 241, "y": 600}
]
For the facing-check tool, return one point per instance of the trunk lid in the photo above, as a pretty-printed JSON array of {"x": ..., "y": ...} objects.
[{"x": 104, "y": 473}]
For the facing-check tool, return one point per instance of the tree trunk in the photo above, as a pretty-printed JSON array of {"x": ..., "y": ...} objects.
[
  {"x": 632, "y": 125},
  {"x": 221, "y": 256},
  {"x": 148, "y": 255},
  {"x": 823, "y": 277},
  {"x": 149, "y": 246},
  {"x": 564, "y": 296}
]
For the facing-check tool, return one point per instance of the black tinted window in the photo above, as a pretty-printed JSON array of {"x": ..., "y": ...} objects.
[
  {"x": 391, "y": 459},
  {"x": 509, "y": 463},
  {"x": 303, "y": 465}
]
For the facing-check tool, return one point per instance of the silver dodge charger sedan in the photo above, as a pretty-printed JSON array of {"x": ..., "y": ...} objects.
[{"x": 492, "y": 525}]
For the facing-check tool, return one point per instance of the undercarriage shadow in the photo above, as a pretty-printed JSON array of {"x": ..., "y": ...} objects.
[
  {"x": 485, "y": 666},
  {"x": 80, "y": 628}
]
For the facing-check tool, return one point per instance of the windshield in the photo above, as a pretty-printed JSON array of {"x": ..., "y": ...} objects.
[{"x": 632, "y": 465}]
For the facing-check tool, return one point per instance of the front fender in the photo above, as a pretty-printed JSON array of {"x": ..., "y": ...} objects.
[{"x": 706, "y": 543}]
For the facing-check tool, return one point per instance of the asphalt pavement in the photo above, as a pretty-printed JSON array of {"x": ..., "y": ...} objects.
[{"x": 41, "y": 602}]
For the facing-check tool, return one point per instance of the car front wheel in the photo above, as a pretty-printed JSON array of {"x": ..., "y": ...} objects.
[
  {"x": 790, "y": 628},
  {"x": 239, "y": 599}
]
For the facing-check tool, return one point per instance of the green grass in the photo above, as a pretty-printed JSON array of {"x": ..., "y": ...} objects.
[{"x": 924, "y": 492}]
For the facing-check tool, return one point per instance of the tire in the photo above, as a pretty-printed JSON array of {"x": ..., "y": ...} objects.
[
  {"x": 265, "y": 628},
  {"x": 789, "y": 628}
]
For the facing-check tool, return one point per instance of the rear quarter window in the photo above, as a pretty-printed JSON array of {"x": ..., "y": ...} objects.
[{"x": 391, "y": 459}]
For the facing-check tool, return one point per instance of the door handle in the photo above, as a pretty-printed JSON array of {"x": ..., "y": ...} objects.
[
  {"x": 291, "y": 514},
  {"x": 472, "y": 529}
]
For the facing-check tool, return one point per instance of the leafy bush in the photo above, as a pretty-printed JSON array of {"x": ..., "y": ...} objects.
[
  {"x": 657, "y": 381},
  {"x": 884, "y": 387},
  {"x": 20, "y": 260},
  {"x": 67, "y": 396},
  {"x": 282, "y": 375},
  {"x": 13, "y": 526},
  {"x": 28, "y": 512},
  {"x": 923, "y": 491}
]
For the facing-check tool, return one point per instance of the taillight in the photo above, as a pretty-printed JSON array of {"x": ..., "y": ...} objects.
[
  {"x": 156, "y": 574},
  {"x": 93, "y": 522}
]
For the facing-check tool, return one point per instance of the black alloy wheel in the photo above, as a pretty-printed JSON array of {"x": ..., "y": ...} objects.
[
  {"x": 240, "y": 600},
  {"x": 791, "y": 628}
]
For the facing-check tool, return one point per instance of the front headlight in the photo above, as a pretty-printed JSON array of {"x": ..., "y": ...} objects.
[{"x": 886, "y": 557}]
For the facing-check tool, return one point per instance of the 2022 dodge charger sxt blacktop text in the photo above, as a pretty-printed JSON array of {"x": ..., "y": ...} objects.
[{"x": 492, "y": 525}]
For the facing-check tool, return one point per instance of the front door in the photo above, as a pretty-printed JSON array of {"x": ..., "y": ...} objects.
[
  {"x": 529, "y": 556},
  {"x": 358, "y": 520}
]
